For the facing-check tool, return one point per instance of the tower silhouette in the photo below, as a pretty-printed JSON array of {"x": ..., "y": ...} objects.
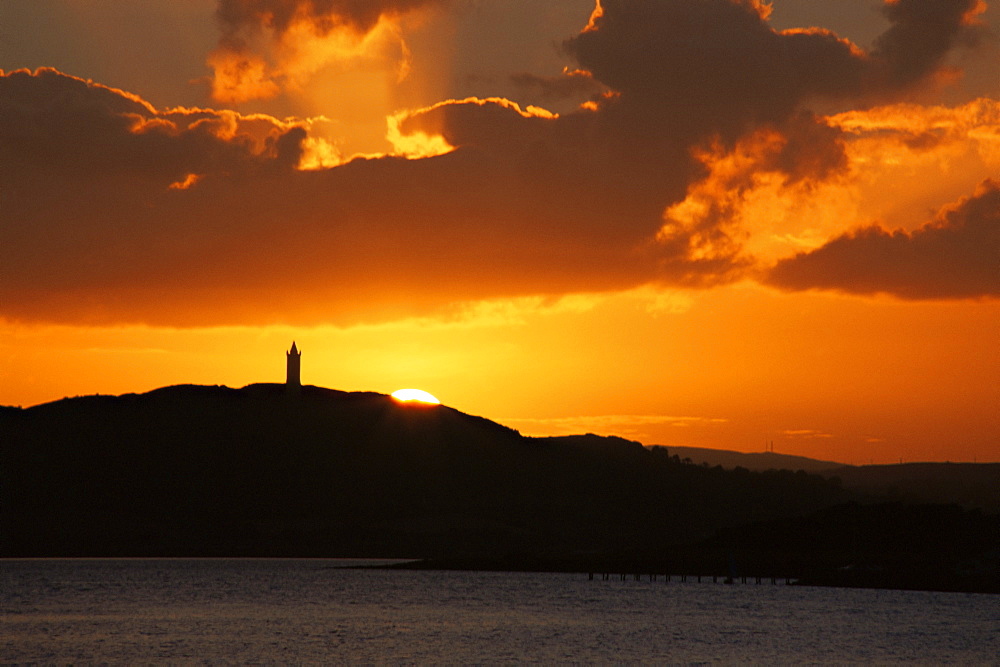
[{"x": 294, "y": 364}]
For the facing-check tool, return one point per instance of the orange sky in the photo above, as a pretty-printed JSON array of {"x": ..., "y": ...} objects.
[{"x": 715, "y": 224}]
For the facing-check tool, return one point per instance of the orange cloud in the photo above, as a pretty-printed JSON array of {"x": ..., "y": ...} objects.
[
  {"x": 254, "y": 239},
  {"x": 495, "y": 201},
  {"x": 271, "y": 45},
  {"x": 629, "y": 426},
  {"x": 808, "y": 434},
  {"x": 924, "y": 127},
  {"x": 762, "y": 201},
  {"x": 324, "y": 15},
  {"x": 714, "y": 225},
  {"x": 240, "y": 77},
  {"x": 956, "y": 255},
  {"x": 419, "y": 133},
  {"x": 188, "y": 182}
]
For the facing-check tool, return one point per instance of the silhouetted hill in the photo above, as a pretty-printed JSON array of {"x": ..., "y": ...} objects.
[
  {"x": 196, "y": 470},
  {"x": 973, "y": 485},
  {"x": 751, "y": 461},
  {"x": 259, "y": 471}
]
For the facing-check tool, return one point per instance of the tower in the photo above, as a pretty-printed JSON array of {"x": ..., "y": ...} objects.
[{"x": 293, "y": 358}]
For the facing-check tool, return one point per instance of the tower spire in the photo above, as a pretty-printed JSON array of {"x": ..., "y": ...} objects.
[{"x": 293, "y": 360}]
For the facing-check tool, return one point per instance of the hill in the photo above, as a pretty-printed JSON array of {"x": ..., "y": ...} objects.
[
  {"x": 972, "y": 485},
  {"x": 261, "y": 471},
  {"x": 195, "y": 470},
  {"x": 759, "y": 461}
]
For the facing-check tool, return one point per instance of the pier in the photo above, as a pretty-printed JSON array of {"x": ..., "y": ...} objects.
[{"x": 696, "y": 578}]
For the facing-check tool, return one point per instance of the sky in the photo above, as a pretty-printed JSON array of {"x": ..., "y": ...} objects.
[{"x": 713, "y": 223}]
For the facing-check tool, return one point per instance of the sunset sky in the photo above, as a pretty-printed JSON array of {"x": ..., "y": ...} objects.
[{"x": 713, "y": 223}]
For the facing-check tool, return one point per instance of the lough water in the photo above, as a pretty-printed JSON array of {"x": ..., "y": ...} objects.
[{"x": 314, "y": 611}]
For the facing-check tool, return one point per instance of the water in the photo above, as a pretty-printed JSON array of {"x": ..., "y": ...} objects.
[{"x": 312, "y": 611}]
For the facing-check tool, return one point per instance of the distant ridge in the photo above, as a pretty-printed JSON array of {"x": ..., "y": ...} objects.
[
  {"x": 751, "y": 461},
  {"x": 974, "y": 485}
]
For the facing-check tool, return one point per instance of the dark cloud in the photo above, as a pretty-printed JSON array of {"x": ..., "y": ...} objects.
[
  {"x": 576, "y": 85},
  {"x": 955, "y": 256},
  {"x": 707, "y": 68},
  {"x": 56, "y": 128},
  {"x": 716, "y": 67},
  {"x": 238, "y": 16},
  {"x": 922, "y": 33},
  {"x": 115, "y": 211},
  {"x": 579, "y": 174},
  {"x": 683, "y": 76},
  {"x": 102, "y": 223}
]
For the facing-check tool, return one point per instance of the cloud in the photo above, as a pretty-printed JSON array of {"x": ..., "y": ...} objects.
[
  {"x": 631, "y": 426},
  {"x": 270, "y": 45},
  {"x": 571, "y": 84},
  {"x": 115, "y": 211},
  {"x": 807, "y": 434},
  {"x": 742, "y": 100},
  {"x": 709, "y": 68},
  {"x": 710, "y": 230},
  {"x": 576, "y": 176},
  {"x": 713, "y": 79},
  {"x": 922, "y": 33},
  {"x": 716, "y": 67},
  {"x": 323, "y": 15},
  {"x": 956, "y": 255},
  {"x": 765, "y": 199}
]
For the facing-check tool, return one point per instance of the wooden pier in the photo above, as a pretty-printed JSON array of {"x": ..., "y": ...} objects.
[{"x": 683, "y": 578}]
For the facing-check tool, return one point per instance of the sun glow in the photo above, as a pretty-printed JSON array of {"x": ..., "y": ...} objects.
[{"x": 414, "y": 395}]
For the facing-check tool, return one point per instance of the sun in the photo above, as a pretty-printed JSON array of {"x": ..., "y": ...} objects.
[{"x": 415, "y": 395}]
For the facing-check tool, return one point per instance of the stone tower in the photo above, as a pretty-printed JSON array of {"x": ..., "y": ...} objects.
[{"x": 294, "y": 364}]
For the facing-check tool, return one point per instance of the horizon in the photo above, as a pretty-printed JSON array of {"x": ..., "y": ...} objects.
[{"x": 526, "y": 209}]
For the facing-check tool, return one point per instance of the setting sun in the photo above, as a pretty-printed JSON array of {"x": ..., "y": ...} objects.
[{"x": 414, "y": 395}]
